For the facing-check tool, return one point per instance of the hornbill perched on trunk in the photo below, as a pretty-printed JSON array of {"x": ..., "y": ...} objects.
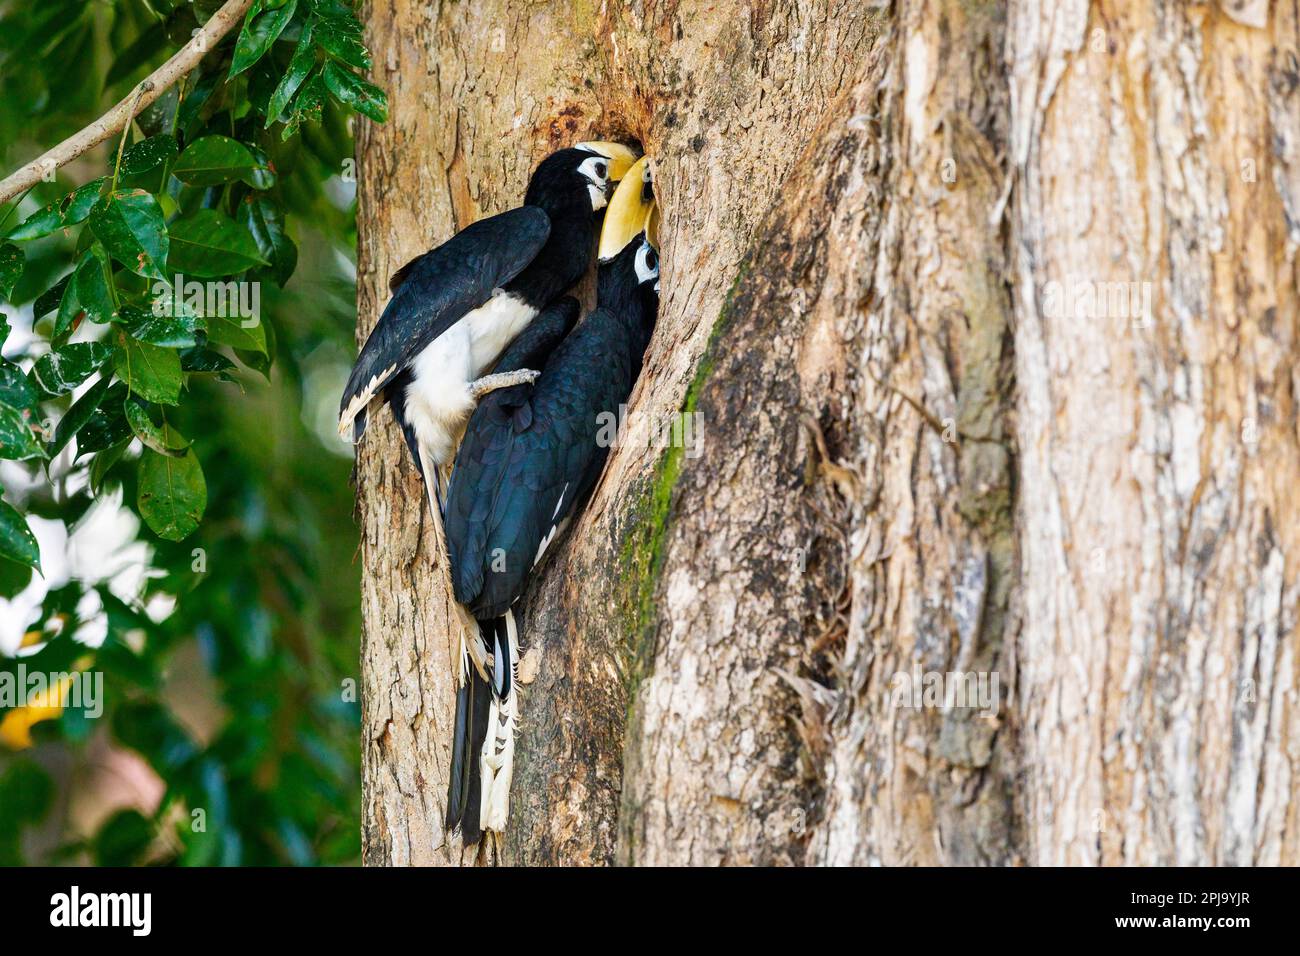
[
  {"x": 530, "y": 457},
  {"x": 455, "y": 308}
]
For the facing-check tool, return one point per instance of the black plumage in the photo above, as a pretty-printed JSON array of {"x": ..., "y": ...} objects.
[
  {"x": 530, "y": 255},
  {"x": 531, "y": 454},
  {"x": 435, "y": 290},
  {"x": 473, "y": 699}
]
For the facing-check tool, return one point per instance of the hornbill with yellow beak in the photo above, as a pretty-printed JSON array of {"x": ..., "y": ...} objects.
[
  {"x": 530, "y": 458},
  {"x": 454, "y": 309}
]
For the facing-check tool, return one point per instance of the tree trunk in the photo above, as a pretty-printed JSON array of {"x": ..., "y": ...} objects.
[{"x": 986, "y": 318}]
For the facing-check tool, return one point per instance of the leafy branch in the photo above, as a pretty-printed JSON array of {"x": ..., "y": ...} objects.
[
  {"x": 233, "y": 125},
  {"x": 117, "y": 119}
]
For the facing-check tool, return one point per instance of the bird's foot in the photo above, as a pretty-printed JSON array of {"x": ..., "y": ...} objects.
[{"x": 490, "y": 383}]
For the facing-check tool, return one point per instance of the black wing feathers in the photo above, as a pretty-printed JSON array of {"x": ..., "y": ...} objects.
[
  {"x": 518, "y": 475},
  {"x": 499, "y": 418},
  {"x": 436, "y": 290}
]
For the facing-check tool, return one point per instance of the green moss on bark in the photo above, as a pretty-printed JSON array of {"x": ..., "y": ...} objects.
[{"x": 642, "y": 552}]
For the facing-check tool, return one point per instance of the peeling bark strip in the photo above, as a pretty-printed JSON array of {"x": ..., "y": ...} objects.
[{"x": 988, "y": 313}]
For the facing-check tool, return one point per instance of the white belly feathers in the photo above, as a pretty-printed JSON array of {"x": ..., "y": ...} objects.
[{"x": 438, "y": 401}]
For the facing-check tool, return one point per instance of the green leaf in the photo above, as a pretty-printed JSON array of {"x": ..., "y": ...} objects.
[
  {"x": 62, "y": 371},
  {"x": 261, "y": 82},
  {"x": 351, "y": 90},
  {"x": 211, "y": 244},
  {"x": 265, "y": 223},
  {"x": 150, "y": 371},
  {"x": 174, "y": 328},
  {"x": 107, "y": 426},
  {"x": 106, "y": 459},
  {"x": 148, "y": 154},
  {"x": 340, "y": 42},
  {"x": 76, "y": 417},
  {"x": 15, "y": 390},
  {"x": 262, "y": 27},
  {"x": 92, "y": 281},
  {"x": 304, "y": 58},
  {"x": 160, "y": 116},
  {"x": 214, "y": 160},
  {"x": 338, "y": 13},
  {"x": 307, "y": 105},
  {"x": 17, "y": 441},
  {"x": 165, "y": 441},
  {"x": 69, "y": 313},
  {"x": 205, "y": 360},
  {"x": 263, "y": 175},
  {"x": 231, "y": 330},
  {"x": 145, "y": 164},
  {"x": 11, "y": 268},
  {"x": 256, "y": 361},
  {"x": 49, "y": 300},
  {"x": 68, "y": 211},
  {"x": 196, "y": 101},
  {"x": 14, "y": 579},
  {"x": 76, "y": 206},
  {"x": 17, "y": 543},
  {"x": 172, "y": 494},
  {"x": 40, "y": 223},
  {"x": 130, "y": 224}
]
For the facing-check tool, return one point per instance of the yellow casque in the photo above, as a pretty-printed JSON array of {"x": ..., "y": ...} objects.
[{"x": 628, "y": 212}]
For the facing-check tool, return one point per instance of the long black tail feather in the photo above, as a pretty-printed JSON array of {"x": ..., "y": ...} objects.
[
  {"x": 456, "y": 788},
  {"x": 473, "y": 712},
  {"x": 470, "y": 826}
]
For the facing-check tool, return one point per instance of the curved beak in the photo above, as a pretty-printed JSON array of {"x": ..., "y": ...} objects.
[
  {"x": 621, "y": 158},
  {"x": 652, "y": 225},
  {"x": 626, "y": 217}
]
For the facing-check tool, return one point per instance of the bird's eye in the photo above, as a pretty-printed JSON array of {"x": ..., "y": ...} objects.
[
  {"x": 651, "y": 260},
  {"x": 601, "y": 169}
]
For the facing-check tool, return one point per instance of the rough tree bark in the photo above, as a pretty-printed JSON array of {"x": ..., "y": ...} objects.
[{"x": 936, "y": 438}]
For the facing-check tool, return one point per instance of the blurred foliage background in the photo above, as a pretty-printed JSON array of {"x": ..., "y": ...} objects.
[{"x": 229, "y": 732}]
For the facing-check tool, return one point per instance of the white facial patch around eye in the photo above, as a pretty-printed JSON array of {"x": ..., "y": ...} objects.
[
  {"x": 647, "y": 265},
  {"x": 595, "y": 169},
  {"x": 596, "y": 172}
]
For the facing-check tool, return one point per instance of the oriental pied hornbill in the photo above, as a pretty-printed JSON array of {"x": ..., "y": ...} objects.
[
  {"x": 455, "y": 308},
  {"x": 530, "y": 457}
]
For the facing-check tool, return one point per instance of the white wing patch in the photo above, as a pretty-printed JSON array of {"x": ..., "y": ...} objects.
[
  {"x": 556, "y": 527},
  {"x": 361, "y": 400},
  {"x": 550, "y": 536}
]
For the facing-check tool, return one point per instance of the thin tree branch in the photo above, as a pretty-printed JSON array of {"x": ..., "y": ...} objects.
[{"x": 140, "y": 98}]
